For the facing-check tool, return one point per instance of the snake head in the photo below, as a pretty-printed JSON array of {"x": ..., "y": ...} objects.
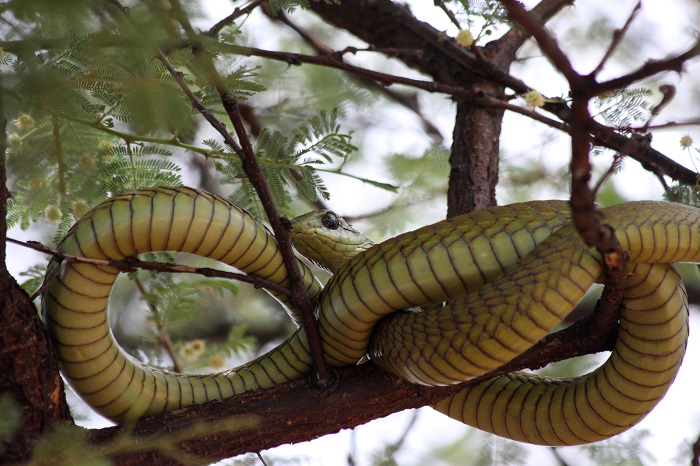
[{"x": 326, "y": 239}]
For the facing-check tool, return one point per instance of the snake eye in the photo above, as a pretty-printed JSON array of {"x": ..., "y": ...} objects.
[{"x": 330, "y": 221}]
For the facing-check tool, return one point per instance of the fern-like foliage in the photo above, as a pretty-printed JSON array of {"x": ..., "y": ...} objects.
[
  {"x": 683, "y": 194},
  {"x": 34, "y": 277},
  {"x": 623, "y": 450},
  {"x": 290, "y": 160},
  {"x": 180, "y": 300},
  {"x": 480, "y": 16},
  {"x": 624, "y": 107},
  {"x": 63, "y": 156}
]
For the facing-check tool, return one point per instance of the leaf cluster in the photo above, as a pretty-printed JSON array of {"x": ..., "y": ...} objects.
[
  {"x": 623, "y": 107},
  {"x": 683, "y": 194},
  {"x": 290, "y": 161},
  {"x": 487, "y": 15},
  {"x": 180, "y": 300},
  {"x": 178, "y": 303}
]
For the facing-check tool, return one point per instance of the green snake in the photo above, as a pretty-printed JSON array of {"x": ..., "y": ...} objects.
[{"x": 505, "y": 277}]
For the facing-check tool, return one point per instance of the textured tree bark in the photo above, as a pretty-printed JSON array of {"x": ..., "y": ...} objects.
[
  {"x": 29, "y": 368},
  {"x": 474, "y": 159}
]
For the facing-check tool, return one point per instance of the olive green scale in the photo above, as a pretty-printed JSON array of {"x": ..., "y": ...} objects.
[{"x": 508, "y": 276}]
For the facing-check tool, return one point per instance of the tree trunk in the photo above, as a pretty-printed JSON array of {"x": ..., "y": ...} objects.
[{"x": 29, "y": 366}]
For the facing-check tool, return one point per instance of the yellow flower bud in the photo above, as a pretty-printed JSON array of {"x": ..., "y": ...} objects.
[
  {"x": 53, "y": 214},
  {"x": 14, "y": 142},
  {"x": 36, "y": 184},
  {"x": 216, "y": 361},
  {"x": 465, "y": 38},
  {"x": 25, "y": 122},
  {"x": 103, "y": 147},
  {"x": 686, "y": 141},
  {"x": 87, "y": 163},
  {"x": 192, "y": 350},
  {"x": 534, "y": 99},
  {"x": 80, "y": 207}
]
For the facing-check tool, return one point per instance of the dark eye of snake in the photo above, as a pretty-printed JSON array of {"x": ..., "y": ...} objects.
[{"x": 330, "y": 221}]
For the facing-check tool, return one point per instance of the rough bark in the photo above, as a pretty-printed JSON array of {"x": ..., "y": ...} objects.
[{"x": 29, "y": 371}]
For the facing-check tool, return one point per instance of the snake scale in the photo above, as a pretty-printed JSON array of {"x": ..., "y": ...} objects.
[{"x": 507, "y": 276}]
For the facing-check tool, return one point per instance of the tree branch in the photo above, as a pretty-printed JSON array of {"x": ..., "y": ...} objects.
[{"x": 132, "y": 264}]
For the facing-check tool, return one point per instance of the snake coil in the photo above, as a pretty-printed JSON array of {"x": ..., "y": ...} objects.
[{"x": 509, "y": 275}]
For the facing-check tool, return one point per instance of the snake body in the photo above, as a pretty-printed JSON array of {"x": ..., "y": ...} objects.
[{"x": 509, "y": 275}]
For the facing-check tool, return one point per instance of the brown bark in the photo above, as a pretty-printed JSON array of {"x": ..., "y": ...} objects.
[
  {"x": 29, "y": 370},
  {"x": 474, "y": 158}
]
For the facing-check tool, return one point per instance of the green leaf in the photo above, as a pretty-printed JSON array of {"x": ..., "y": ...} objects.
[{"x": 625, "y": 106}]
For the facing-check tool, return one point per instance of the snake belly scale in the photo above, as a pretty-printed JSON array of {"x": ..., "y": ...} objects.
[{"x": 508, "y": 275}]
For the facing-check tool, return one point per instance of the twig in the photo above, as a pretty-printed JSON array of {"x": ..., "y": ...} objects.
[
  {"x": 237, "y": 13},
  {"x": 667, "y": 125},
  {"x": 608, "y": 173},
  {"x": 617, "y": 38},
  {"x": 298, "y": 298},
  {"x": 260, "y": 457},
  {"x": 448, "y": 12},
  {"x": 557, "y": 456},
  {"x": 131, "y": 264},
  {"x": 651, "y": 68},
  {"x": 668, "y": 92},
  {"x": 696, "y": 453},
  {"x": 163, "y": 338},
  {"x": 331, "y": 60}
]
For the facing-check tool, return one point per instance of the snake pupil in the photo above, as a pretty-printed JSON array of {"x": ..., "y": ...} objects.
[{"x": 330, "y": 221}]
